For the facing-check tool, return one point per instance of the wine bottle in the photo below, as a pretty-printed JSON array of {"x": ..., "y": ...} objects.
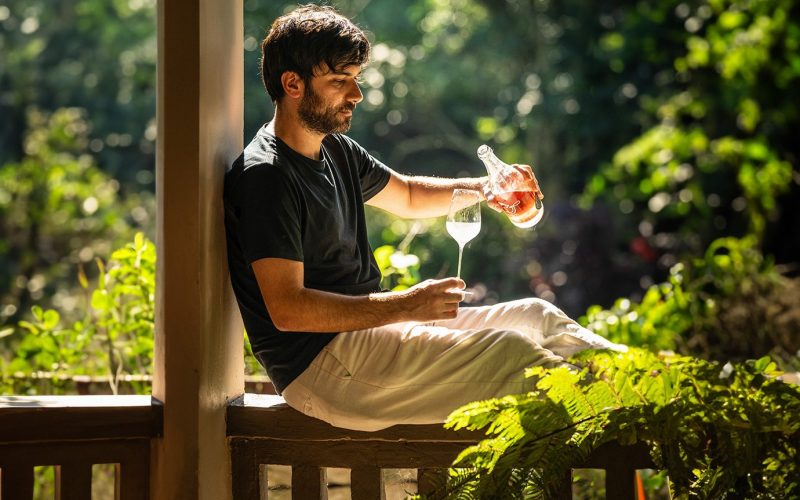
[{"x": 512, "y": 190}]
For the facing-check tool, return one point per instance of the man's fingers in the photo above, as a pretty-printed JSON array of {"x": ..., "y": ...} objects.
[
  {"x": 527, "y": 172},
  {"x": 448, "y": 283}
]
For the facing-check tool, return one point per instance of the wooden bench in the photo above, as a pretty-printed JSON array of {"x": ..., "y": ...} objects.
[{"x": 263, "y": 429}]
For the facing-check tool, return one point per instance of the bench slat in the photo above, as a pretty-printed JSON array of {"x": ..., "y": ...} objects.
[
  {"x": 366, "y": 483},
  {"x": 247, "y": 415},
  {"x": 16, "y": 481},
  {"x": 309, "y": 483},
  {"x": 356, "y": 454},
  {"x": 74, "y": 481}
]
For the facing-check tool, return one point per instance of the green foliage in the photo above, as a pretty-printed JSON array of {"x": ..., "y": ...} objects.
[
  {"x": 57, "y": 209},
  {"x": 719, "y": 431},
  {"x": 97, "y": 56},
  {"x": 115, "y": 334},
  {"x": 718, "y": 160},
  {"x": 399, "y": 269},
  {"x": 729, "y": 304}
]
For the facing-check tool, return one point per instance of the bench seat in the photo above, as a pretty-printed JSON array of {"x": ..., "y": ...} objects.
[{"x": 263, "y": 429}]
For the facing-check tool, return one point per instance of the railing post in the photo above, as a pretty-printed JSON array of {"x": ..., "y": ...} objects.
[
  {"x": 620, "y": 482},
  {"x": 309, "y": 483},
  {"x": 366, "y": 483},
  {"x": 564, "y": 491},
  {"x": 430, "y": 480},
  {"x": 245, "y": 474},
  {"x": 74, "y": 481},
  {"x": 17, "y": 482}
]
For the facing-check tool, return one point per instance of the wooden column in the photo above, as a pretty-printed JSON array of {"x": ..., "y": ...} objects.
[{"x": 198, "y": 351}]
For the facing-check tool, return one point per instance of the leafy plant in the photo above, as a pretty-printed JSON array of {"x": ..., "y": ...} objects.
[
  {"x": 115, "y": 334},
  {"x": 719, "y": 431},
  {"x": 58, "y": 209},
  {"x": 717, "y": 161},
  {"x": 731, "y": 304},
  {"x": 399, "y": 269}
]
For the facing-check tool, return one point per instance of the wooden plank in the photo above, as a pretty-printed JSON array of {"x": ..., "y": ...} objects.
[
  {"x": 74, "y": 481},
  {"x": 103, "y": 451},
  {"x": 263, "y": 481},
  {"x": 620, "y": 481},
  {"x": 366, "y": 483},
  {"x": 309, "y": 483},
  {"x": 245, "y": 471},
  {"x": 17, "y": 482},
  {"x": 348, "y": 454},
  {"x": 57, "y": 418},
  {"x": 564, "y": 490},
  {"x": 133, "y": 477},
  {"x": 431, "y": 480},
  {"x": 636, "y": 456},
  {"x": 265, "y": 416},
  {"x": 92, "y": 401}
]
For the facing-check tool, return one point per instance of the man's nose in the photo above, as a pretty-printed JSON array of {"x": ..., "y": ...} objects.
[{"x": 355, "y": 96}]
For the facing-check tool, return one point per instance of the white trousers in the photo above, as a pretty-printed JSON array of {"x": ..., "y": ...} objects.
[{"x": 418, "y": 373}]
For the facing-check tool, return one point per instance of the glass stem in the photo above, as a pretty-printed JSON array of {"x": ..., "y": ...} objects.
[{"x": 460, "y": 252}]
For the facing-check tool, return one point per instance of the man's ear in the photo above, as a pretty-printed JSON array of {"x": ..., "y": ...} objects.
[{"x": 292, "y": 84}]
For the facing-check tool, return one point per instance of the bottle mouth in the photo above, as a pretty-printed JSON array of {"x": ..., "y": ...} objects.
[{"x": 484, "y": 150}]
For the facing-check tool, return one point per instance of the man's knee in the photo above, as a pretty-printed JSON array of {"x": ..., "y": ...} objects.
[{"x": 539, "y": 310}]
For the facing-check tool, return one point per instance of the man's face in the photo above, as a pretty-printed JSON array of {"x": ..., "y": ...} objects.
[{"x": 329, "y": 99}]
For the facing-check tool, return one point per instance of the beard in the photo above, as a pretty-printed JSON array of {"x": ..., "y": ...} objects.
[{"x": 317, "y": 117}]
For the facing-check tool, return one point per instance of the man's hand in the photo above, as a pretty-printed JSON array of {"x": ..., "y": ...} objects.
[
  {"x": 432, "y": 300},
  {"x": 529, "y": 181}
]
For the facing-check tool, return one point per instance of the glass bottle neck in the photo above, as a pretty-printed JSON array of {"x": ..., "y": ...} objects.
[{"x": 494, "y": 165}]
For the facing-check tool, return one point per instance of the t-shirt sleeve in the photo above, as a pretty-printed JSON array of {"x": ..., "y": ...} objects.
[
  {"x": 269, "y": 215},
  {"x": 372, "y": 174}
]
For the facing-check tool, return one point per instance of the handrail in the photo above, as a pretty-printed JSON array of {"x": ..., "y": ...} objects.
[
  {"x": 264, "y": 430},
  {"x": 60, "y": 418},
  {"x": 73, "y": 433}
]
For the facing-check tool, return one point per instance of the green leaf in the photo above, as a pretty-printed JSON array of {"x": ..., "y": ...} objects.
[
  {"x": 29, "y": 326},
  {"x": 84, "y": 282},
  {"x": 101, "y": 301},
  {"x": 50, "y": 319},
  {"x": 38, "y": 313}
]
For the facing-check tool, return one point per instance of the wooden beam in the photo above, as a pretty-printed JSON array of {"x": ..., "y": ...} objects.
[
  {"x": 74, "y": 481},
  {"x": 309, "y": 483},
  {"x": 50, "y": 418},
  {"x": 16, "y": 481},
  {"x": 366, "y": 483},
  {"x": 266, "y": 416},
  {"x": 348, "y": 454},
  {"x": 246, "y": 477},
  {"x": 99, "y": 451},
  {"x": 198, "y": 340}
]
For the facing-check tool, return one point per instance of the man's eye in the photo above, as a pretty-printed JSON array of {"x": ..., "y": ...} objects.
[{"x": 338, "y": 83}]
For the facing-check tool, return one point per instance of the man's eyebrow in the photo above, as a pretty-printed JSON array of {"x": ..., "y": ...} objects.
[{"x": 346, "y": 73}]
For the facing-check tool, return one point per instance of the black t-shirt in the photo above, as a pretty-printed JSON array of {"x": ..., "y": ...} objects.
[{"x": 279, "y": 203}]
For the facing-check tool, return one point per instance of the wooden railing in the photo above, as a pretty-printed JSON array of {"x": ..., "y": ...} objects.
[
  {"x": 85, "y": 385},
  {"x": 265, "y": 430},
  {"x": 73, "y": 433}
]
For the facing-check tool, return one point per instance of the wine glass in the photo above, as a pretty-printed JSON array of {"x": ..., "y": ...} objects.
[{"x": 464, "y": 219}]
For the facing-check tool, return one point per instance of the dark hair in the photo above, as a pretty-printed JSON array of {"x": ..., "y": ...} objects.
[{"x": 304, "y": 39}]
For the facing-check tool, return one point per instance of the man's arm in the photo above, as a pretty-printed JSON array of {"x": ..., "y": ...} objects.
[
  {"x": 421, "y": 197},
  {"x": 295, "y": 308}
]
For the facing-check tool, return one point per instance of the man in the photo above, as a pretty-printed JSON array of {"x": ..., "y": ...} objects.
[{"x": 334, "y": 345}]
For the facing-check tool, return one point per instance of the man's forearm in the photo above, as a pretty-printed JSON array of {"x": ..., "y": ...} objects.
[
  {"x": 319, "y": 311},
  {"x": 309, "y": 310},
  {"x": 430, "y": 196}
]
